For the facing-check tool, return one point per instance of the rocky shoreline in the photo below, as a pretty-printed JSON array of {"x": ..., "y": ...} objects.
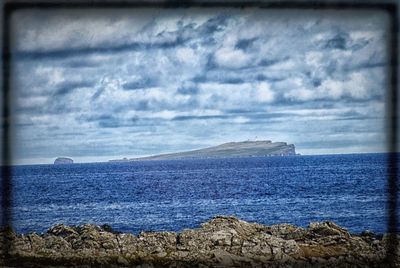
[{"x": 221, "y": 242}]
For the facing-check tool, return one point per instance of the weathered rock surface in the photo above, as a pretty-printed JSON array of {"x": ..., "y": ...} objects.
[{"x": 220, "y": 242}]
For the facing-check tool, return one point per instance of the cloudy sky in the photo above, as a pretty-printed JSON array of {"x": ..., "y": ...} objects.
[{"x": 102, "y": 84}]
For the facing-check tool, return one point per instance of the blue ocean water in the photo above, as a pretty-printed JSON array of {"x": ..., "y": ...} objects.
[{"x": 177, "y": 194}]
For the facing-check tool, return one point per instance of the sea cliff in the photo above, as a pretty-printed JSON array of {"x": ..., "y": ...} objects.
[{"x": 221, "y": 242}]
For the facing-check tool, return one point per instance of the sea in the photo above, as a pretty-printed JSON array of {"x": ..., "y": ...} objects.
[{"x": 172, "y": 195}]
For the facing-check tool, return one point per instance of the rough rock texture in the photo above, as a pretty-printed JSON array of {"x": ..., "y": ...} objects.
[{"x": 220, "y": 242}]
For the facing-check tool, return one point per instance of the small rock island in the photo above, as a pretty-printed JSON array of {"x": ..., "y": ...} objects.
[{"x": 63, "y": 160}]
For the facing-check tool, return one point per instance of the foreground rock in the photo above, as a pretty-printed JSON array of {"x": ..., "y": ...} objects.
[{"x": 221, "y": 242}]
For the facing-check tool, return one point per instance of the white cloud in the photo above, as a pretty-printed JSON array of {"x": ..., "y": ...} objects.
[
  {"x": 363, "y": 35},
  {"x": 231, "y": 58},
  {"x": 264, "y": 92},
  {"x": 358, "y": 86},
  {"x": 234, "y": 96},
  {"x": 32, "y": 102},
  {"x": 300, "y": 94},
  {"x": 314, "y": 58},
  {"x": 186, "y": 55},
  {"x": 231, "y": 65},
  {"x": 35, "y": 29}
]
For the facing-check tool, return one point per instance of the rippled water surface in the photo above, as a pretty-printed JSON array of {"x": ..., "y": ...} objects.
[{"x": 178, "y": 194}]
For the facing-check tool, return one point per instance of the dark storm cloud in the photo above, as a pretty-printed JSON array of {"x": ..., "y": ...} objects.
[
  {"x": 240, "y": 111},
  {"x": 343, "y": 41},
  {"x": 201, "y": 117},
  {"x": 73, "y": 134},
  {"x": 254, "y": 117},
  {"x": 83, "y": 51},
  {"x": 97, "y": 93},
  {"x": 109, "y": 121},
  {"x": 245, "y": 44},
  {"x": 267, "y": 62},
  {"x": 69, "y": 86},
  {"x": 368, "y": 65},
  {"x": 82, "y": 64},
  {"x": 340, "y": 41},
  {"x": 188, "y": 89},
  {"x": 227, "y": 77},
  {"x": 214, "y": 24},
  {"x": 200, "y": 79},
  {"x": 163, "y": 40},
  {"x": 139, "y": 84},
  {"x": 358, "y": 116},
  {"x": 233, "y": 81},
  {"x": 142, "y": 105}
]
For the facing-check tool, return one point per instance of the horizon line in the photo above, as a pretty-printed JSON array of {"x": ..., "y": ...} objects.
[{"x": 132, "y": 159}]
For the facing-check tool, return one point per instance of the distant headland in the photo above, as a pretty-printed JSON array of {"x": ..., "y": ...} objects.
[
  {"x": 63, "y": 160},
  {"x": 227, "y": 150}
]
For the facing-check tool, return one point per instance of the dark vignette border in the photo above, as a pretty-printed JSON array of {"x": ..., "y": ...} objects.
[{"x": 391, "y": 106}]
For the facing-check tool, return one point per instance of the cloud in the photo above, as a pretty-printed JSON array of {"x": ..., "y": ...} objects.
[
  {"x": 109, "y": 121},
  {"x": 188, "y": 88},
  {"x": 82, "y": 63},
  {"x": 201, "y": 117},
  {"x": 340, "y": 41},
  {"x": 245, "y": 44},
  {"x": 265, "y": 94},
  {"x": 80, "y": 30},
  {"x": 120, "y": 82},
  {"x": 139, "y": 84},
  {"x": 231, "y": 58},
  {"x": 68, "y": 86},
  {"x": 358, "y": 85}
]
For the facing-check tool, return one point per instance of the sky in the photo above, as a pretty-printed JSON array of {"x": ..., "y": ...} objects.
[{"x": 96, "y": 85}]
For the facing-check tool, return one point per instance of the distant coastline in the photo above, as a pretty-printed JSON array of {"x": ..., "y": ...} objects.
[
  {"x": 263, "y": 148},
  {"x": 126, "y": 159}
]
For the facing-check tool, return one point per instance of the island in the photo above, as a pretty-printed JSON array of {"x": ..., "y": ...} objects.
[
  {"x": 63, "y": 160},
  {"x": 227, "y": 150}
]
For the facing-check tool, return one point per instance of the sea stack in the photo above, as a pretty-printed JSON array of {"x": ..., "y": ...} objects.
[{"x": 63, "y": 160}]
